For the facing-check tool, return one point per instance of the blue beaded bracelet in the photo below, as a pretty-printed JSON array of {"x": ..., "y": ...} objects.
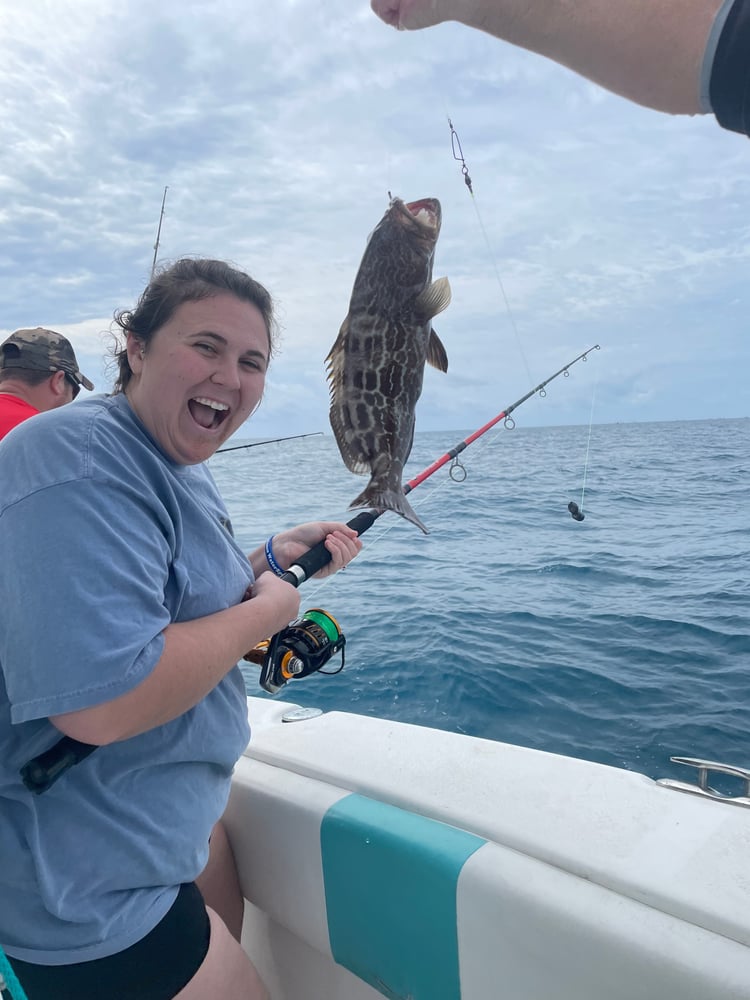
[{"x": 271, "y": 560}]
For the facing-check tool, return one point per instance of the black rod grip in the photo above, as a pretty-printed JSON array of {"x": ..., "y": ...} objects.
[
  {"x": 318, "y": 556},
  {"x": 42, "y": 772}
]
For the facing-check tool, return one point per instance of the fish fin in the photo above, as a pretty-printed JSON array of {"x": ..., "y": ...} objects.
[
  {"x": 338, "y": 414},
  {"x": 341, "y": 432},
  {"x": 342, "y": 428},
  {"x": 436, "y": 354},
  {"x": 385, "y": 499},
  {"x": 335, "y": 359},
  {"x": 335, "y": 375},
  {"x": 433, "y": 299},
  {"x": 352, "y": 461}
]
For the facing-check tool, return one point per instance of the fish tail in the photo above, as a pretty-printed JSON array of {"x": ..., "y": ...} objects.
[{"x": 381, "y": 498}]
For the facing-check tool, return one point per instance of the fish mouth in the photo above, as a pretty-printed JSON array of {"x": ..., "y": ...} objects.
[
  {"x": 426, "y": 211},
  {"x": 208, "y": 413}
]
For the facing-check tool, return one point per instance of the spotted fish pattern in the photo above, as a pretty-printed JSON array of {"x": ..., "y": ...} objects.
[{"x": 376, "y": 365}]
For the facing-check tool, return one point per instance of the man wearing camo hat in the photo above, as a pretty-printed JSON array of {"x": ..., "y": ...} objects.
[{"x": 38, "y": 371}]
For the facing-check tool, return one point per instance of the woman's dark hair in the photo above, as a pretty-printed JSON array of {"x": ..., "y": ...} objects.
[{"x": 187, "y": 280}]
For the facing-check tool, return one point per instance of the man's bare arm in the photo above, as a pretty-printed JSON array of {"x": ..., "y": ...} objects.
[{"x": 650, "y": 51}]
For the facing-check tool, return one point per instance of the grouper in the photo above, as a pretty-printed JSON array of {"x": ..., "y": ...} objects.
[{"x": 376, "y": 366}]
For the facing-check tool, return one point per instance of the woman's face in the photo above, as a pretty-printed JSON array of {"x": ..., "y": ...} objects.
[{"x": 201, "y": 376}]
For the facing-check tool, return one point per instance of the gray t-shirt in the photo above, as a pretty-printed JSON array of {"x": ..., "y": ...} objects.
[{"x": 103, "y": 542}]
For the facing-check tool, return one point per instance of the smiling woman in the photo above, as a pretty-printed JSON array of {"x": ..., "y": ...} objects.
[
  {"x": 195, "y": 383},
  {"x": 136, "y": 655}
]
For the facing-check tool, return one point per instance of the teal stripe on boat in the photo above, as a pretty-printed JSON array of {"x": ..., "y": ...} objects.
[
  {"x": 390, "y": 883},
  {"x": 12, "y": 986}
]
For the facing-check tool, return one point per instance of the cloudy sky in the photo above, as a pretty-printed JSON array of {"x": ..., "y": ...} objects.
[{"x": 279, "y": 129}]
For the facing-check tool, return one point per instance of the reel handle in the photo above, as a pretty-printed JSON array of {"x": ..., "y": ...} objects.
[{"x": 318, "y": 556}]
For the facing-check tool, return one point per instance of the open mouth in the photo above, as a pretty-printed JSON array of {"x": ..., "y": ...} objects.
[
  {"x": 426, "y": 211},
  {"x": 208, "y": 413}
]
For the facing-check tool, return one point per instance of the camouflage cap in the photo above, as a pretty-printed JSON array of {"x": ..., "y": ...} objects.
[{"x": 41, "y": 351}]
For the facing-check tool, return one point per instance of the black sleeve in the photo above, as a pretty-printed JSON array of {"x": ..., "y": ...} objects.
[{"x": 730, "y": 74}]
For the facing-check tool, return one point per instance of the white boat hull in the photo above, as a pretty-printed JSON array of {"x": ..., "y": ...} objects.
[{"x": 383, "y": 859}]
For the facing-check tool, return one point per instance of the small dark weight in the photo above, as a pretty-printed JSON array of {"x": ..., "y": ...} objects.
[{"x": 575, "y": 511}]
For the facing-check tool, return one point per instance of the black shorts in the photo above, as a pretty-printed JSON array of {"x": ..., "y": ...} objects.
[{"x": 155, "y": 968}]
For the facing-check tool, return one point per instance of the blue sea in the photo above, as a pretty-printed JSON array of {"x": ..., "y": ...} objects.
[{"x": 623, "y": 639}]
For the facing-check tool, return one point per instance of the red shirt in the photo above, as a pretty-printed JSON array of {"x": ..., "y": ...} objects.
[{"x": 13, "y": 410}]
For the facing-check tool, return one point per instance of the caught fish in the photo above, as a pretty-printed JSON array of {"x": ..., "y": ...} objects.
[{"x": 376, "y": 366}]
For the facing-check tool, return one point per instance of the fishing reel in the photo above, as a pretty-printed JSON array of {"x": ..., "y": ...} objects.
[{"x": 300, "y": 649}]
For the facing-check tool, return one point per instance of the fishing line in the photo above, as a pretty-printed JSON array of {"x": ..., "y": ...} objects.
[
  {"x": 588, "y": 443},
  {"x": 576, "y": 510},
  {"x": 458, "y": 154}
]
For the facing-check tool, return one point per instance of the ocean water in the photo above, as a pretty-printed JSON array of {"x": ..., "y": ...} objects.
[{"x": 623, "y": 639}]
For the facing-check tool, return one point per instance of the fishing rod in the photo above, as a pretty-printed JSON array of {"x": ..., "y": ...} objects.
[
  {"x": 307, "y": 643},
  {"x": 158, "y": 231},
  {"x": 319, "y": 556},
  {"x": 254, "y": 444}
]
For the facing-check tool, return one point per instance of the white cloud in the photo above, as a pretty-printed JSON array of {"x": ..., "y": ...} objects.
[{"x": 280, "y": 128}]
